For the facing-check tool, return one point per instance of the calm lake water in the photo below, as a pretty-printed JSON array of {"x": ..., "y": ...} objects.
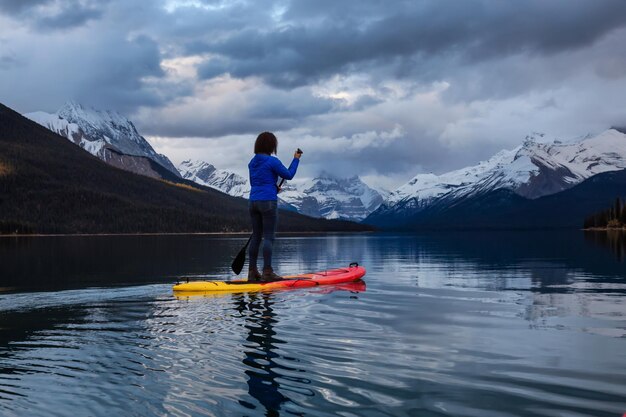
[{"x": 454, "y": 324}]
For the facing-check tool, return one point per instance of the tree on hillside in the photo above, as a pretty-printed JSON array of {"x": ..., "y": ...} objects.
[{"x": 613, "y": 217}]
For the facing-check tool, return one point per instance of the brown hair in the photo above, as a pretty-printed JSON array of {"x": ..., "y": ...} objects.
[{"x": 266, "y": 143}]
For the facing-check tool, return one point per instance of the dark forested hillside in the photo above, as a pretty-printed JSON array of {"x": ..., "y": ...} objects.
[{"x": 49, "y": 185}]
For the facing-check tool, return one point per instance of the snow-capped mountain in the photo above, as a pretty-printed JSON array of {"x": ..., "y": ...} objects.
[
  {"x": 206, "y": 174},
  {"x": 332, "y": 198},
  {"x": 532, "y": 170},
  {"x": 323, "y": 196},
  {"x": 107, "y": 135}
]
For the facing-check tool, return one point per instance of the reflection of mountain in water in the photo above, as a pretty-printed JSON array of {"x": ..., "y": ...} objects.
[
  {"x": 539, "y": 261},
  {"x": 614, "y": 240}
]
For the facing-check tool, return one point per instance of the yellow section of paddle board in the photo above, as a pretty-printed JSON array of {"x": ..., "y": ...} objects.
[{"x": 199, "y": 286}]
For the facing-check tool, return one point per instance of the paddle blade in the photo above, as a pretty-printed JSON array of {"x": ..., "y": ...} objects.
[{"x": 237, "y": 264}]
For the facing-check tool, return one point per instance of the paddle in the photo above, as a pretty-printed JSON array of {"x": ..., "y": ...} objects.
[{"x": 237, "y": 264}]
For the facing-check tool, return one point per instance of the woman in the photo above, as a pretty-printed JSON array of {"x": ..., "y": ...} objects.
[{"x": 264, "y": 172}]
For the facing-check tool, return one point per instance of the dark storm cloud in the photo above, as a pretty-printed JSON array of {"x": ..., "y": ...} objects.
[
  {"x": 44, "y": 15},
  {"x": 272, "y": 105},
  {"x": 108, "y": 72},
  {"x": 69, "y": 17},
  {"x": 321, "y": 39},
  {"x": 298, "y": 43},
  {"x": 116, "y": 77},
  {"x": 194, "y": 27},
  {"x": 16, "y": 7}
]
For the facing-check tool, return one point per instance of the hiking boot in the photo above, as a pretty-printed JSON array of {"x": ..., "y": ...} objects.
[
  {"x": 269, "y": 275},
  {"x": 254, "y": 275}
]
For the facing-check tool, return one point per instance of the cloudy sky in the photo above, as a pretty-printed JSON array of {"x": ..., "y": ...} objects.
[{"x": 382, "y": 89}]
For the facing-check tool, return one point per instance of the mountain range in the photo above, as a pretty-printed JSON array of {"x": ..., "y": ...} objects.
[
  {"x": 536, "y": 174},
  {"x": 536, "y": 169}
]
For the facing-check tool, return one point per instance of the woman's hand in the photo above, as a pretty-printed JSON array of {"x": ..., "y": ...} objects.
[{"x": 298, "y": 153}]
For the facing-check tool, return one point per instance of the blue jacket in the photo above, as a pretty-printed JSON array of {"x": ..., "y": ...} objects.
[{"x": 264, "y": 172}]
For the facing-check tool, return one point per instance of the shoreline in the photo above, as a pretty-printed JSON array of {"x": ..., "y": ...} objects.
[
  {"x": 605, "y": 229},
  {"x": 224, "y": 234},
  {"x": 294, "y": 233}
]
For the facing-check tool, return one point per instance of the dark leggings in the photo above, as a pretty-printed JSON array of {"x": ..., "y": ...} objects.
[{"x": 264, "y": 216}]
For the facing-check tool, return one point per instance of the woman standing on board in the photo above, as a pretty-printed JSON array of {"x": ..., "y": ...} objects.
[{"x": 264, "y": 172}]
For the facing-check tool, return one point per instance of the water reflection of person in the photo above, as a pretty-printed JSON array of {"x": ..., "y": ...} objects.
[{"x": 260, "y": 354}]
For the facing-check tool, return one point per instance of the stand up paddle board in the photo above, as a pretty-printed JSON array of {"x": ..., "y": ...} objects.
[{"x": 352, "y": 273}]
